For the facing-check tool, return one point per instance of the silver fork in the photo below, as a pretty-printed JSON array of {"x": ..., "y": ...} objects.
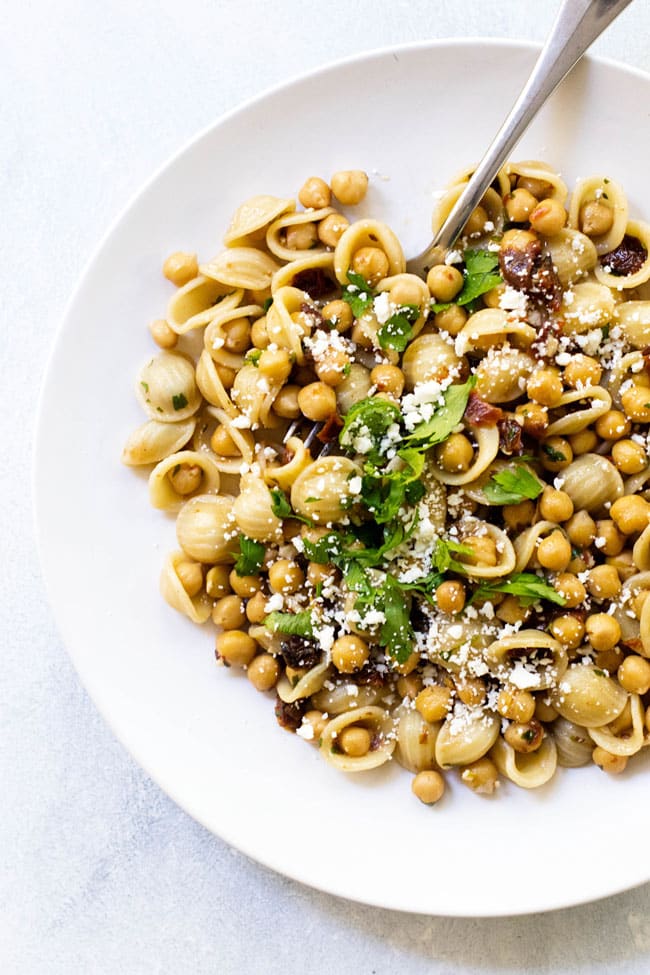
[{"x": 577, "y": 25}]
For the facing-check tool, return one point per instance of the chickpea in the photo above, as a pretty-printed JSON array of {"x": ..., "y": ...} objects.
[
  {"x": 433, "y": 702},
  {"x": 481, "y": 777},
  {"x": 275, "y": 364},
  {"x": 510, "y": 610},
  {"x": 581, "y": 529},
  {"x": 596, "y": 218},
  {"x": 570, "y": 587},
  {"x": 349, "y": 653},
  {"x": 235, "y": 647},
  {"x": 245, "y": 586},
  {"x": 539, "y": 188},
  {"x": 217, "y": 583},
  {"x": 535, "y": 418},
  {"x": 428, "y": 786},
  {"x": 555, "y": 505},
  {"x": 285, "y": 576},
  {"x": 476, "y": 222},
  {"x": 263, "y": 672},
  {"x": 450, "y": 596},
  {"x": 492, "y": 298},
  {"x": 603, "y": 631},
  {"x": 614, "y": 764},
  {"x": 545, "y": 387},
  {"x": 484, "y": 550},
  {"x": 613, "y": 425},
  {"x": 317, "y": 720},
  {"x": 517, "y": 239},
  {"x": 470, "y": 690},
  {"x": 610, "y": 541},
  {"x": 332, "y": 228},
  {"x": 186, "y": 478},
  {"x": 406, "y": 291},
  {"x": 371, "y": 263},
  {"x": 333, "y": 366},
  {"x": 408, "y": 666},
  {"x": 583, "y": 442},
  {"x": 556, "y": 454},
  {"x": 444, "y": 282},
  {"x": 228, "y": 612},
  {"x": 315, "y": 194},
  {"x": 190, "y": 575},
  {"x": 339, "y": 314},
  {"x": 301, "y": 236},
  {"x": 317, "y": 401},
  {"x": 222, "y": 443},
  {"x": 568, "y": 630},
  {"x": 603, "y": 582},
  {"x": 180, "y": 267},
  {"x": 451, "y": 320},
  {"x": 610, "y": 660},
  {"x": 519, "y": 515},
  {"x": 634, "y": 675},
  {"x": 354, "y": 741},
  {"x": 238, "y": 335},
  {"x": 409, "y": 686},
  {"x": 630, "y": 513},
  {"x": 516, "y": 705},
  {"x": 285, "y": 403},
  {"x": 638, "y": 602},
  {"x": 544, "y": 711},
  {"x": 349, "y": 186},
  {"x": 629, "y": 457},
  {"x": 226, "y": 375},
  {"x": 636, "y": 404},
  {"x": 388, "y": 379},
  {"x": 583, "y": 370},
  {"x": 318, "y": 574},
  {"x": 256, "y": 608},
  {"x": 360, "y": 336},
  {"x": 455, "y": 454},
  {"x": 525, "y": 738},
  {"x": 259, "y": 334},
  {"x": 554, "y": 551},
  {"x": 548, "y": 218},
  {"x": 623, "y": 563},
  {"x": 163, "y": 335},
  {"x": 519, "y": 205}
]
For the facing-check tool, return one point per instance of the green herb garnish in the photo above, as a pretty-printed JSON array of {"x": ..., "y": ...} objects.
[
  {"x": 253, "y": 357},
  {"x": 358, "y": 294},
  {"x": 397, "y": 331},
  {"x": 369, "y": 419},
  {"x": 512, "y": 486},
  {"x": 480, "y": 275},
  {"x": 555, "y": 455},
  {"x": 293, "y": 624},
  {"x": 446, "y": 417},
  {"x": 279, "y": 504},
  {"x": 528, "y": 587},
  {"x": 251, "y": 556},
  {"x": 267, "y": 304},
  {"x": 179, "y": 401}
]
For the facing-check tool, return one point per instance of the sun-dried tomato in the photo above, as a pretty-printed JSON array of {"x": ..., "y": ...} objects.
[
  {"x": 510, "y": 436},
  {"x": 628, "y": 258},
  {"x": 290, "y": 716},
  {"x": 482, "y": 414},
  {"x": 314, "y": 281},
  {"x": 330, "y": 429}
]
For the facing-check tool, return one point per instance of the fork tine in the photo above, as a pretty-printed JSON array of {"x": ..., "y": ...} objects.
[
  {"x": 312, "y": 435},
  {"x": 292, "y": 429}
]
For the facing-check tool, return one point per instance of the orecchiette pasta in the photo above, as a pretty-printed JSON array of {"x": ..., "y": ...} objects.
[{"x": 419, "y": 510}]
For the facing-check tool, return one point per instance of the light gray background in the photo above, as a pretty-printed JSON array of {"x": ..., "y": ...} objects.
[{"x": 100, "y": 871}]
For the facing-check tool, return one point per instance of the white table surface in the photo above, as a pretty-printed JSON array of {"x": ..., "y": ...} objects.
[{"x": 100, "y": 871}]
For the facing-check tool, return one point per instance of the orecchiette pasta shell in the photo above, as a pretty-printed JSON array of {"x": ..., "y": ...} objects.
[
  {"x": 572, "y": 253},
  {"x": 641, "y": 231},
  {"x": 488, "y": 327},
  {"x": 322, "y": 491},
  {"x": 284, "y": 475},
  {"x": 310, "y": 683},
  {"x": 529, "y": 771},
  {"x": 487, "y": 447},
  {"x": 501, "y": 375},
  {"x": 254, "y": 215},
  {"x": 210, "y": 385},
  {"x": 373, "y": 718},
  {"x": 154, "y": 441},
  {"x": 367, "y": 233},
  {"x": 454, "y": 645},
  {"x": 241, "y": 440},
  {"x": 588, "y": 696},
  {"x": 526, "y": 544},
  {"x": 354, "y": 387},
  {"x": 167, "y": 389},
  {"x": 430, "y": 357},
  {"x": 492, "y": 203},
  {"x": 346, "y": 697},
  {"x": 280, "y": 326},
  {"x": 630, "y": 363},
  {"x": 289, "y": 274},
  {"x": 416, "y": 741},
  {"x": 641, "y": 551},
  {"x": 529, "y": 659},
  {"x": 241, "y": 267},
  {"x": 253, "y": 394},
  {"x": 465, "y": 736},
  {"x": 205, "y": 528},
  {"x": 597, "y": 401},
  {"x": 574, "y": 746},
  {"x": 195, "y": 303},
  {"x": 634, "y": 319},
  {"x": 197, "y": 608},
  {"x": 253, "y": 511},
  {"x": 591, "y": 481},
  {"x": 596, "y": 188},
  {"x": 631, "y": 740},
  {"x": 534, "y": 169},
  {"x": 216, "y": 334},
  {"x": 162, "y": 493},
  {"x": 506, "y": 553},
  {"x": 587, "y": 305},
  {"x": 276, "y": 231}
]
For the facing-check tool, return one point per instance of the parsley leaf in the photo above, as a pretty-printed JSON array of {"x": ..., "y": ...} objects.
[
  {"x": 179, "y": 401},
  {"x": 279, "y": 504},
  {"x": 253, "y": 356},
  {"x": 396, "y": 332},
  {"x": 480, "y": 275},
  {"x": 267, "y": 304},
  {"x": 447, "y": 416},
  {"x": 294, "y": 624},
  {"x": 552, "y": 453},
  {"x": 358, "y": 294},
  {"x": 527, "y": 586},
  {"x": 443, "y": 555},
  {"x": 251, "y": 556},
  {"x": 512, "y": 486},
  {"x": 396, "y": 633},
  {"x": 369, "y": 419}
]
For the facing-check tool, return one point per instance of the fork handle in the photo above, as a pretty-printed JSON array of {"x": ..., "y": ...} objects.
[{"x": 577, "y": 25}]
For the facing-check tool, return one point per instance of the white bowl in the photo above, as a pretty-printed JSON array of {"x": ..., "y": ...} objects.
[{"x": 412, "y": 117}]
